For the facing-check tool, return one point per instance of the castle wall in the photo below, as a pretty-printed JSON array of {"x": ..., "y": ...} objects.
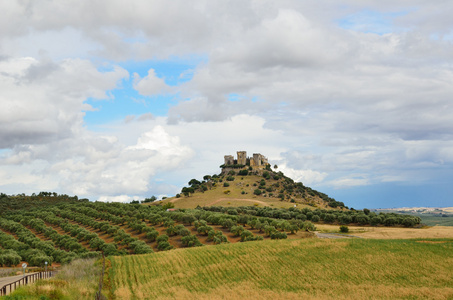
[{"x": 257, "y": 161}]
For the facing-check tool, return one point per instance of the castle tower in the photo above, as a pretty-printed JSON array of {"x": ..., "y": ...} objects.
[
  {"x": 257, "y": 159},
  {"x": 229, "y": 160},
  {"x": 242, "y": 157}
]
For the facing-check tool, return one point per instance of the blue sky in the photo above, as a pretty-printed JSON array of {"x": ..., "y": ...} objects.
[{"x": 119, "y": 102}]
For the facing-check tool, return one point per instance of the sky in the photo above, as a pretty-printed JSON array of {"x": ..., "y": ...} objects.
[{"x": 120, "y": 100}]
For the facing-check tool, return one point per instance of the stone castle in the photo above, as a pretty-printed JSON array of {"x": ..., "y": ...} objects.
[{"x": 257, "y": 161}]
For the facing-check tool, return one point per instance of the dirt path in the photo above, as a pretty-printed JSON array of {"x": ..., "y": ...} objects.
[
  {"x": 334, "y": 236},
  {"x": 238, "y": 199}
]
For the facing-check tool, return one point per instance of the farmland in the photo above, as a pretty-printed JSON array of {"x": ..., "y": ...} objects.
[
  {"x": 220, "y": 252},
  {"x": 290, "y": 269}
]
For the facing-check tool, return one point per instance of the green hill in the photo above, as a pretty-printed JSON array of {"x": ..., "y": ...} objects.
[{"x": 251, "y": 187}]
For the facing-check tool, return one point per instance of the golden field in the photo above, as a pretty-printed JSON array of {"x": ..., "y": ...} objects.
[{"x": 290, "y": 269}]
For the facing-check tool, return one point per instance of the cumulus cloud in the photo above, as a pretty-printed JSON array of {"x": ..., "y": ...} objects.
[
  {"x": 100, "y": 165},
  {"x": 44, "y": 101}
]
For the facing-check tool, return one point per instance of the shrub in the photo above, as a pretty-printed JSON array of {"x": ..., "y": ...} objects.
[
  {"x": 243, "y": 172},
  {"x": 344, "y": 229},
  {"x": 226, "y": 184},
  {"x": 257, "y": 192}
]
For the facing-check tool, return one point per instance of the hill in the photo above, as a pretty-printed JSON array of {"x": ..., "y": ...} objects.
[{"x": 242, "y": 187}]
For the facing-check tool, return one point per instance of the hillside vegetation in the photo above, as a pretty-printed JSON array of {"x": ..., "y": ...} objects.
[
  {"x": 290, "y": 269},
  {"x": 255, "y": 187}
]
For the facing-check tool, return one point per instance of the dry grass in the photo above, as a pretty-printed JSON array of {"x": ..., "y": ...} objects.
[
  {"x": 393, "y": 232},
  {"x": 78, "y": 280},
  {"x": 290, "y": 269},
  {"x": 448, "y": 209}
]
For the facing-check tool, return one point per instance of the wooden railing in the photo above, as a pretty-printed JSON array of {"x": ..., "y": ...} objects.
[{"x": 10, "y": 287}]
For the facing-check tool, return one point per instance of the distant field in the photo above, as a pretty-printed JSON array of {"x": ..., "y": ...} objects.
[
  {"x": 370, "y": 232},
  {"x": 290, "y": 269},
  {"x": 442, "y": 216},
  {"x": 434, "y": 220}
]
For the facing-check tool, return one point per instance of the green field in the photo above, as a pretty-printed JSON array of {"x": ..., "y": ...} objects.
[
  {"x": 290, "y": 269},
  {"x": 436, "y": 220}
]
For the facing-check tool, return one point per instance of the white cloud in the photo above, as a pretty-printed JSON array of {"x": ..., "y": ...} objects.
[
  {"x": 307, "y": 177},
  {"x": 151, "y": 84},
  {"x": 43, "y": 101},
  {"x": 120, "y": 198}
]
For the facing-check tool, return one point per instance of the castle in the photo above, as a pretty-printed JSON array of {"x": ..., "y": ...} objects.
[{"x": 258, "y": 160}]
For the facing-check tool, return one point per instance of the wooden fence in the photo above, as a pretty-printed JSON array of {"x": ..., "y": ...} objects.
[{"x": 10, "y": 287}]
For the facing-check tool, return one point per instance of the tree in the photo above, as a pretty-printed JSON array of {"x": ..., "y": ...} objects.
[
  {"x": 190, "y": 241},
  {"x": 187, "y": 191},
  {"x": 164, "y": 246},
  {"x": 152, "y": 235},
  {"x": 188, "y": 219},
  {"x": 275, "y": 167},
  {"x": 237, "y": 230},
  {"x": 246, "y": 235},
  {"x": 152, "y": 199},
  {"x": 162, "y": 238},
  {"x": 193, "y": 182},
  {"x": 257, "y": 192},
  {"x": 278, "y": 235},
  {"x": 227, "y": 223}
]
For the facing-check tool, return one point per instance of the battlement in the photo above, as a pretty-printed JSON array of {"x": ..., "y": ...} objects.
[{"x": 257, "y": 161}]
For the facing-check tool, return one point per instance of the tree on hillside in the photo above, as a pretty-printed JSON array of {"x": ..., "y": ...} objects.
[
  {"x": 193, "y": 182},
  {"x": 148, "y": 200}
]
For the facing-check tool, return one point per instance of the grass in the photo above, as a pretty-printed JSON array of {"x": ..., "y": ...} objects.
[
  {"x": 78, "y": 280},
  {"x": 290, "y": 269}
]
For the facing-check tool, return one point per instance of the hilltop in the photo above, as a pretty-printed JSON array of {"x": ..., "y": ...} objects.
[{"x": 250, "y": 187}]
